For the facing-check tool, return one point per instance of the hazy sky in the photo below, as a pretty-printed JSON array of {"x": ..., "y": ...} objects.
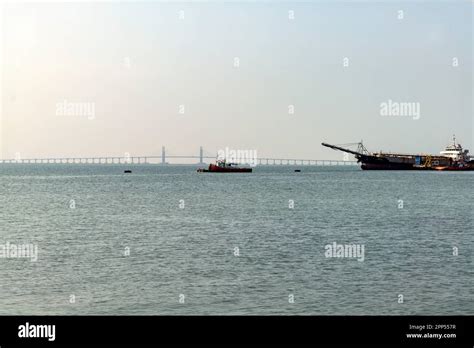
[{"x": 125, "y": 72}]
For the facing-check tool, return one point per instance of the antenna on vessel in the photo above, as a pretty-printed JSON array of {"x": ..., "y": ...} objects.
[{"x": 454, "y": 139}]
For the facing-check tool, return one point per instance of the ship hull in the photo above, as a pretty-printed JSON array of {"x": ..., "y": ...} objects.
[
  {"x": 457, "y": 169},
  {"x": 217, "y": 169},
  {"x": 242, "y": 170},
  {"x": 389, "y": 166},
  {"x": 382, "y": 163}
]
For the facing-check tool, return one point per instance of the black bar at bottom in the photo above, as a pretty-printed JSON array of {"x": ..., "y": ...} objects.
[{"x": 290, "y": 330}]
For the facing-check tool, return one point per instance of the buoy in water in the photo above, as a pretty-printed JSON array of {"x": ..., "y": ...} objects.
[
  {"x": 297, "y": 170},
  {"x": 127, "y": 171}
]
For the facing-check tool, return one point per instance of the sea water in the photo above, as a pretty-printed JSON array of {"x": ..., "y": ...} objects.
[{"x": 166, "y": 240}]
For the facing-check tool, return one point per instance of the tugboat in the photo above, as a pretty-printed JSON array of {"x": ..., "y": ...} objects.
[
  {"x": 453, "y": 158},
  {"x": 222, "y": 166}
]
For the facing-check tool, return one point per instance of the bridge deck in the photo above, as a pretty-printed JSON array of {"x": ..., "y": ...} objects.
[{"x": 163, "y": 160}]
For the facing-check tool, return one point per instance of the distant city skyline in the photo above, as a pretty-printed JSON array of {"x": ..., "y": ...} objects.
[{"x": 109, "y": 78}]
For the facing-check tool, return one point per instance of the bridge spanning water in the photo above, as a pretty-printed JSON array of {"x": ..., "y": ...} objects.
[{"x": 163, "y": 159}]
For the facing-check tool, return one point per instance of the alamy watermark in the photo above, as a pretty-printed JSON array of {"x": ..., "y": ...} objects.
[
  {"x": 18, "y": 251},
  {"x": 28, "y": 330},
  {"x": 345, "y": 251},
  {"x": 238, "y": 156},
  {"x": 67, "y": 108},
  {"x": 402, "y": 109}
]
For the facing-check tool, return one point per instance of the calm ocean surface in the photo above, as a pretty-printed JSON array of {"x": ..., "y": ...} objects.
[{"x": 82, "y": 244}]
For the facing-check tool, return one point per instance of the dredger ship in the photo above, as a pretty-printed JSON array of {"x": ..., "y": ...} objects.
[{"x": 452, "y": 158}]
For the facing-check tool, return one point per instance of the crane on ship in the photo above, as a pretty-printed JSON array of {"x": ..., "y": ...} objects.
[{"x": 360, "y": 153}]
